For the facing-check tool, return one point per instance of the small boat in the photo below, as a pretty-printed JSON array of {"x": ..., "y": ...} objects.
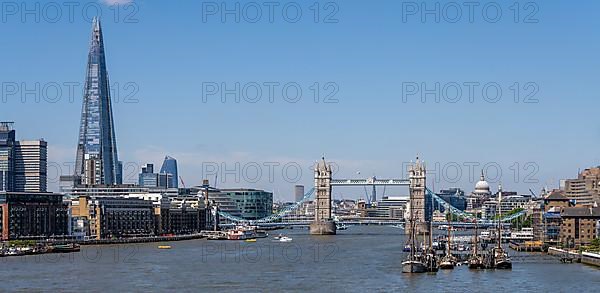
[
  {"x": 164, "y": 247},
  {"x": 341, "y": 226},
  {"x": 66, "y": 248},
  {"x": 285, "y": 239},
  {"x": 250, "y": 240}
]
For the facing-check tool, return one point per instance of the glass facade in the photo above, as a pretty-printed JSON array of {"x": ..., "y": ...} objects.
[
  {"x": 169, "y": 166},
  {"x": 7, "y": 143},
  {"x": 97, "y": 146},
  {"x": 252, "y": 204},
  {"x": 153, "y": 180}
]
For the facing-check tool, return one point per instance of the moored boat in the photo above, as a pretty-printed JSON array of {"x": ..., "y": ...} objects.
[
  {"x": 447, "y": 263},
  {"x": 66, "y": 248},
  {"x": 413, "y": 266}
]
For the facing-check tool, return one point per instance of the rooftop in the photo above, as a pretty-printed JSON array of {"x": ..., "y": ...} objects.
[
  {"x": 581, "y": 212},
  {"x": 557, "y": 196}
]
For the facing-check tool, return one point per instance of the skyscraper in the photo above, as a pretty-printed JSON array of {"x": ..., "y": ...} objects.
[
  {"x": 23, "y": 164},
  {"x": 97, "y": 161},
  {"x": 31, "y": 163},
  {"x": 298, "y": 192},
  {"x": 7, "y": 143},
  {"x": 169, "y": 166}
]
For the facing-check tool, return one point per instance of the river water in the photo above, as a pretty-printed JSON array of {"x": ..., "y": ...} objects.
[{"x": 359, "y": 259}]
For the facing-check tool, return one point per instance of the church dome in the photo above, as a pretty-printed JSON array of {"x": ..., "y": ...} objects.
[{"x": 482, "y": 187}]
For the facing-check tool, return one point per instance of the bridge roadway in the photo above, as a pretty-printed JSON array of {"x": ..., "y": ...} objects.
[
  {"x": 369, "y": 182},
  {"x": 360, "y": 222}
]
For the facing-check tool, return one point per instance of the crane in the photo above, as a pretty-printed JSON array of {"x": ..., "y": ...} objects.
[{"x": 182, "y": 183}]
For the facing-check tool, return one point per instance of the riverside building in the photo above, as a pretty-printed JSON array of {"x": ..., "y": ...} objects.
[
  {"x": 23, "y": 164},
  {"x": 32, "y": 215}
]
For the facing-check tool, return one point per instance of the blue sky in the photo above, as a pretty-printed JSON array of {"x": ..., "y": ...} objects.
[{"x": 161, "y": 54}]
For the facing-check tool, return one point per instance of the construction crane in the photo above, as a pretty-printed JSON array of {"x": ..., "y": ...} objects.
[
  {"x": 182, "y": 183},
  {"x": 532, "y": 193}
]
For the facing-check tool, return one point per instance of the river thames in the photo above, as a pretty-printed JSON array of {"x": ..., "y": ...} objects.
[{"x": 357, "y": 259}]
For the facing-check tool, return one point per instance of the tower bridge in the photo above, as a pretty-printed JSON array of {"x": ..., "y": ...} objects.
[{"x": 325, "y": 224}]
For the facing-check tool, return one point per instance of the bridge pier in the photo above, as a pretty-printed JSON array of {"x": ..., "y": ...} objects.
[
  {"x": 323, "y": 228},
  {"x": 323, "y": 223}
]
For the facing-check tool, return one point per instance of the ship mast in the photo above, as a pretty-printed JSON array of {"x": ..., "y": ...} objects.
[
  {"x": 499, "y": 217},
  {"x": 449, "y": 241},
  {"x": 476, "y": 235},
  {"x": 412, "y": 232}
]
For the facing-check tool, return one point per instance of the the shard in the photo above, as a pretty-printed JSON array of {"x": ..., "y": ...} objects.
[{"x": 97, "y": 160}]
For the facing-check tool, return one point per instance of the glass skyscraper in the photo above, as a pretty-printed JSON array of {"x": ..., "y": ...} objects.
[
  {"x": 169, "y": 166},
  {"x": 7, "y": 145},
  {"x": 97, "y": 161},
  {"x": 23, "y": 164}
]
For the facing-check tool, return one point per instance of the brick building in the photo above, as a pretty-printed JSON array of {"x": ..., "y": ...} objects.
[
  {"x": 579, "y": 225},
  {"x": 25, "y": 215},
  {"x": 110, "y": 217}
]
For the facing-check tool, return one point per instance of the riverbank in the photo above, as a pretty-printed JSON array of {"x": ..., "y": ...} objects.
[
  {"x": 590, "y": 258},
  {"x": 29, "y": 247},
  {"x": 140, "y": 239}
]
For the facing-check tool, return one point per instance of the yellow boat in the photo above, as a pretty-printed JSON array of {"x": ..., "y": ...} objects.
[
  {"x": 164, "y": 247},
  {"x": 250, "y": 240}
]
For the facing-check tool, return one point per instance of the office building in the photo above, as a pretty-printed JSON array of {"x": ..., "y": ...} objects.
[
  {"x": 392, "y": 207},
  {"x": 7, "y": 143},
  {"x": 30, "y": 168},
  {"x": 585, "y": 190},
  {"x": 298, "y": 192},
  {"x": 253, "y": 204},
  {"x": 169, "y": 167},
  {"x": 96, "y": 159},
  {"x": 32, "y": 215},
  {"x": 508, "y": 204},
  {"x": 23, "y": 164},
  {"x": 454, "y": 196},
  {"x": 149, "y": 179},
  {"x": 249, "y": 204}
]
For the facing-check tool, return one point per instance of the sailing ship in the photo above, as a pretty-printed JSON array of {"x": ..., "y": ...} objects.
[
  {"x": 448, "y": 261},
  {"x": 429, "y": 253},
  {"x": 498, "y": 258},
  {"x": 413, "y": 262},
  {"x": 476, "y": 261}
]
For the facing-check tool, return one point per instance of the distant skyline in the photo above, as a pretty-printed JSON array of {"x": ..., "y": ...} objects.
[{"x": 165, "y": 60}]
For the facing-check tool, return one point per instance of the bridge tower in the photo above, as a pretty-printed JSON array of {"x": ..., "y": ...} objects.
[
  {"x": 323, "y": 223},
  {"x": 417, "y": 180}
]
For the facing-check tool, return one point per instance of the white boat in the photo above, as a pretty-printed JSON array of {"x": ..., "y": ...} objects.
[
  {"x": 340, "y": 226},
  {"x": 285, "y": 239}
]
